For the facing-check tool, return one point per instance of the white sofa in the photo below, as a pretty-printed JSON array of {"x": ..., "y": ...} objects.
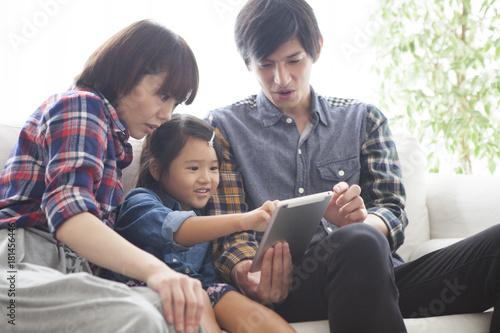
[{"x": 441, "y": 210}]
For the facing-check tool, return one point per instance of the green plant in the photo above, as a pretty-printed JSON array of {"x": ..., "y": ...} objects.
[{"x": 439, "y": 64}]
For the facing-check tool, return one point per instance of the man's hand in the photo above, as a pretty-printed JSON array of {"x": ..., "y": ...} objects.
[
  {"x": 346, "y": 206},
  {"x": 273, "y": 283}
]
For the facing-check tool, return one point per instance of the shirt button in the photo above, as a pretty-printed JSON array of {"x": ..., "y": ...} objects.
[
  {"x": 301, "y": 190},
  {"x": 289, "y": 120},
  {"x": 300, "y": 151},
  {"x": 341, "y": 173},
  {"x": 187, "y": 270},
  {"x": 329, "y": 229}
]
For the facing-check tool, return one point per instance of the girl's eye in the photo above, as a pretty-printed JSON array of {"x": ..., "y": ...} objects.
[
  {"x": 165, "y": 98},
  {"x": 295, "y": 61},
  {"x": 214, "y": 168},
  {"x": 193, "y": 168}
]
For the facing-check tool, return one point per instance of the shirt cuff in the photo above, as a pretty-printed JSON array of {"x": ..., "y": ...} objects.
[
  {"x": 172, "y": 223},
  {"x": 66, "y": 204},
  {"x": 396, "y": 230}
]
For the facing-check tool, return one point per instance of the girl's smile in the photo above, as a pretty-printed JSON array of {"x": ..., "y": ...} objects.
[{"x": 193, "y": 176}]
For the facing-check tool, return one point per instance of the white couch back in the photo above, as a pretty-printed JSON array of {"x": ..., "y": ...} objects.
[
  {"x": 8, "y": 138},
  {"x": 413, "y": 160}
]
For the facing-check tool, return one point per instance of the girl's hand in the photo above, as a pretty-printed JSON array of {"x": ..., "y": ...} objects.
[
  {"x": 182, "y": 299},
  {"x": 258, "y": 219},
  {"x": 346, "y": 206}
]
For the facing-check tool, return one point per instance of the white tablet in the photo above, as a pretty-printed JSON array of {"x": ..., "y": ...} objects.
[{"x": 294, "y": 221}]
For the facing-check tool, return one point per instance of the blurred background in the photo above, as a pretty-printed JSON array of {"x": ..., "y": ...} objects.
[{"x": 45, "y": 43}]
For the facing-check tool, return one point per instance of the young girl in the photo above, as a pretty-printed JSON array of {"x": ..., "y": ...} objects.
[{"x": 179, "y": 173}]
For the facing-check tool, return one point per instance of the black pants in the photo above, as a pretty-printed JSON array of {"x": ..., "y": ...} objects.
[{"x": 348, "y": 278}]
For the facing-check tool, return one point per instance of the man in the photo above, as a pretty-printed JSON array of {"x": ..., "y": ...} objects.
[{"x": 288, "y": 141}]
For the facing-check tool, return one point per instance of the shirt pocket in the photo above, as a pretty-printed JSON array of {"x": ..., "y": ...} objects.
[{"x": 339, "y": 170}]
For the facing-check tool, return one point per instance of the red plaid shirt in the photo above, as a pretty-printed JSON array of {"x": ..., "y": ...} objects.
[{"x": 68, "y": 160}]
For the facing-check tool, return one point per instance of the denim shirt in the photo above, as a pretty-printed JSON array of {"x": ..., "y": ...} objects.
[
  {"x": 345, "y": 140},
  {"x": 149, "y": 219}
]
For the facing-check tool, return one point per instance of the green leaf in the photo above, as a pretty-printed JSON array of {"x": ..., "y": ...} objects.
[{"x": 492, "y": 166}]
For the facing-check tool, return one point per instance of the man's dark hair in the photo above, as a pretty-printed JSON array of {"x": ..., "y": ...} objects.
[{"x": 262, "y": 26}]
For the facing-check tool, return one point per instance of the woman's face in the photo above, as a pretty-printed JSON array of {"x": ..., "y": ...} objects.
[
  {"x": 193, "y": 176},
  {"x": 143, "y": 109}
]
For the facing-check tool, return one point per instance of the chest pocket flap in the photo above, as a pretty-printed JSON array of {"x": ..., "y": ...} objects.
[{"x": 338, "y": 170}]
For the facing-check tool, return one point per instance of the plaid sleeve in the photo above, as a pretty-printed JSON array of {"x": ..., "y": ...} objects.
[
  {"x": 231, "y": 249},
  {"x": 382, "y": 179},
  {"x": 74, "y": 141}
]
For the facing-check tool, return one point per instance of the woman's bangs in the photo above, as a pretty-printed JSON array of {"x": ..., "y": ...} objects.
[{"x": 182, "y": 79}]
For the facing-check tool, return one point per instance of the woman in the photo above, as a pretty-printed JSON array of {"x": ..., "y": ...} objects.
[{"x": 60, "y": 188}]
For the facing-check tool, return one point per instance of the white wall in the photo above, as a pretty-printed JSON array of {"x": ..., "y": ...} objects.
[{"x": 45, "y": 43}]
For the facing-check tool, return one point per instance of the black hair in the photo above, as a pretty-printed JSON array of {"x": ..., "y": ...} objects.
[
  {"x": 142, "y": 48},
  {"x": 262, "y": 26},
  {"x": 167, "y": 141}
]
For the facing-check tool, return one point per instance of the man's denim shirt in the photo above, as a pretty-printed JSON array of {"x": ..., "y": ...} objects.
[{"x": 346, "y": 140}]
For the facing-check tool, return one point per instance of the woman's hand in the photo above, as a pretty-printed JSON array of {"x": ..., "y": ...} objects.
[
  {"x": 181, "y": 295},
  {"x": 258, "y": 219},
  {"x": 346, "y": 205},
  {"x": 182, "y": 298}
]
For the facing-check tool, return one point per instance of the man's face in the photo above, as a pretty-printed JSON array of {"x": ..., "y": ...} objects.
[{"x": 284, "y": 77}]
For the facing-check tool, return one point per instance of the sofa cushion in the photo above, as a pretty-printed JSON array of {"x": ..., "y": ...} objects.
[
  {"x": 464, "y": 323},
  {"x": 413, "y": 160},
  {"x": 8, "y": 138},
  {"x": 131, "y": 172},
  {"x": 462, "y": 205},
  {"x": 432, "y": 245}
]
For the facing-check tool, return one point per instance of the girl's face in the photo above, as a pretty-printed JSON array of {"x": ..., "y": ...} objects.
[
  {"x": 193, "y": 176},
  {"x": 143, "y": 109}
]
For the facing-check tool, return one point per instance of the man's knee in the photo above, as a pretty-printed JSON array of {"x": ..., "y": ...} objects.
[{"x": 360, "y": 239}]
